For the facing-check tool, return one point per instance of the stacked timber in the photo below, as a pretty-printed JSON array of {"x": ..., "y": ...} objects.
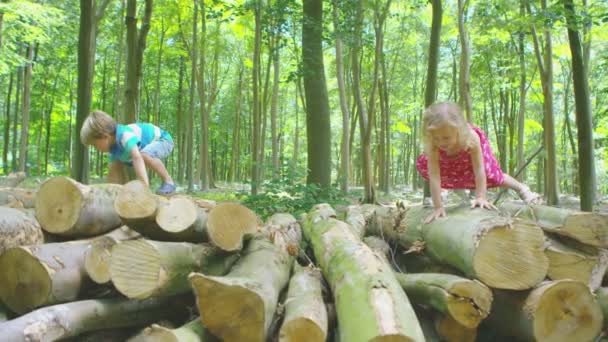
[{"x": 141, "y": 267}]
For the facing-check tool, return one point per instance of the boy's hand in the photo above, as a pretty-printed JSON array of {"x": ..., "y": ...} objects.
[
  {"x": 437, "y": 213},
  {"x": 482, "y": 202}
]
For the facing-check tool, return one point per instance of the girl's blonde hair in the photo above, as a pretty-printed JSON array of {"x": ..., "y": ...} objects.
[
  {"x": 97, "y": 125},
  {"x": 441, "y": 114}
]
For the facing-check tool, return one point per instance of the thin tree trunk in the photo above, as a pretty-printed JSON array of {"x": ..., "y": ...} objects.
[
  {"x": 119, "y": 114},
  {"x": 201, "y": 76},
  {"x": 344, "y": 105},
  {"x": 273, "y": 110},
  {"x": 156, "y": 108},
  {"x": 255, "y": 145},
  {"x": 521, "y": 117},
  {"x": 7, "y": 125},
  {"x": 235, "y": 156},
  {"x": 25, "y": 117},
  {"x": 465, "y": 56}
]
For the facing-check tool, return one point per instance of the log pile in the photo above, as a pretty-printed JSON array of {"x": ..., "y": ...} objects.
[{"x": 117, "y": 260}]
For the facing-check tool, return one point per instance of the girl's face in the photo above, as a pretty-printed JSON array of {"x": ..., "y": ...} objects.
[
  {"x": 103, "y": 144},
  {"x": 445, "y": 137}
]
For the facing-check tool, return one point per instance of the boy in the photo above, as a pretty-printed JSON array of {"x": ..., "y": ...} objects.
[{"x": 138, "y": 145}]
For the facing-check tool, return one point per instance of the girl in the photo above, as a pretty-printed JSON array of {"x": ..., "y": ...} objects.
[{"x": 458, "y": 156}]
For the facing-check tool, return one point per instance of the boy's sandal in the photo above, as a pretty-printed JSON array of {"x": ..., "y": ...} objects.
[
  {"x": 166, "y": 189},
  {"x": 529, "y": 196}
]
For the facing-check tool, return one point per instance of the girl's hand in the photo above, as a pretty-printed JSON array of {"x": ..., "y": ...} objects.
[
  {"x": 437, "y": 213},
  {"x": 482, "y": 202}
]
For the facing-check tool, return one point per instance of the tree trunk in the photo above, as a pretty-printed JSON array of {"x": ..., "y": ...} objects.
[
  {"x": 7, "y": 125},
  {"x": 241, "y": 305},
  {"x": 521, "y": 117},
  {"x": 588, "y": 228},
  {"x": 18, "y": 91},
  {"x": 305, "y": 313},
  {"x": 18, "y": 229},
  {"x": 72, "y": 319},
  {"x": 471, "y": 241},
  {"x": 315, "y": 89},
  {"x": 450, "y": 330},
  {"x": 81, "y": 210},
  {"x": 236, "y": 132},
  {"x": 42, "y": 275},
  {"x": 584, "y": 117},
  {"x": 563, "y": 310},
  {"x": 361, "y": 282},
  {"x": 143, "y": 268},
  {"x": 465, "y": 62},
  {"x": 98, "y": 254},
  {"x": 273, "y": 110},
  {"x": 25, "y": 117},
  {"x": 255, "y": 78}
]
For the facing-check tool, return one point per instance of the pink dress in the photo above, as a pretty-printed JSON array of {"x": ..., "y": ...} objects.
[{"x": 456, "y": 172}]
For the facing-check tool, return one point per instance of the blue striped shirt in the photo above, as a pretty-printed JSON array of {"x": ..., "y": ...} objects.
[{"x": 134, "y": 135}]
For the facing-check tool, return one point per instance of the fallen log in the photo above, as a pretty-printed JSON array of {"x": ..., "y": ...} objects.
[
  {"x": 450, "y": 330},
  {"x": 71, "y": 319},
  {"x": 587, "y": 227},
  {"x": 68, "y": 208},
  {"x": 33, "y": 276},
  {"x": 501, "y": 252},
  {"x": 18, "y": 229},
  {"x": 240, "y": 305},
  {"x": 17, "y": 198},
  {"x": 193, "y": 331},
  {"x": 12, "y": 180},
  {"x": 305, "y": 313},
  {"x": 562, "y": 310},
  {"x": 98, "y": 254},
  {"x": 143, "y": 268},
  {"x": 370, "y": 303}
]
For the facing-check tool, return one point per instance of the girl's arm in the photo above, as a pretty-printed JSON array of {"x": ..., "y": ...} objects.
[
  {"x": 139, "y": 166},
  {"x": 480, "y": 177},
  {"x": 435, "y": 185}
]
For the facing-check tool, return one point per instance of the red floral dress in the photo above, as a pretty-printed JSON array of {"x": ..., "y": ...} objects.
[{"x": 456, "y": 172}]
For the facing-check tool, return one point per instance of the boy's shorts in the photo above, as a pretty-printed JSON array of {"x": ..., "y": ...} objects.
[{"x": 158, "y": 149}]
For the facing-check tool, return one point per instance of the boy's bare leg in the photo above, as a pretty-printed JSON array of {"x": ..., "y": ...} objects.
[{"x": 157, "y": 166}]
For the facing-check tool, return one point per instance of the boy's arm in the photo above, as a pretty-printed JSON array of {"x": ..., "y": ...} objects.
[{"x": 139, "y": 166}]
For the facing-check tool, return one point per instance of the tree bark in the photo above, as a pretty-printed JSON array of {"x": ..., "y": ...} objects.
[
  {"x": 240, "y": 306},
  {"x": 255, "y": 78},
  {"x": 465, "y": 62},
  {"x": 315, "y": 89},
  {"x": 305, "y": 313},
  {"x": 18, "y": 229},
  {"x": 143, "y": 268},
  {"x": 563, "y": 310},
  {"x": 81, "y": 210},
  {"x": 25, "y": 116},
  {"x": 361, "y": 281},
  {"x": 7, "y": 124},
  {"x": 471, "y": 241},
  {"x": 588, "y": 228}
]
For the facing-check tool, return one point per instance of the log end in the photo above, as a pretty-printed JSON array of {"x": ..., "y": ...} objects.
[
  {"x": 302, "y": 329},
  {"x": 135, "y": 268},
  {"x": 97, "y": 259},
  {"x": 229, "y": 223},
  {"x": 511, "y": 256},
  {"x": 566, "y": 310},
  {"x": 177, "y": 214},
  {"x": 470, "y": 302},
  {"x": 135, "y": 201},
  {"x": 229, "y": 309},
  {"x": 25, "y": 282},
  {"x": 589, "y": 228},
  {"x": 58, "y": 204}
]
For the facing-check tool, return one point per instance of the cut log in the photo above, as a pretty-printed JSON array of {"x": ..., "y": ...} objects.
[
  {"x": 587, "y": 227},
  {"x": 602, "y": 298},
  {"x": 577, "y": 262},
  {"x": 12, "y": 180},
  {"x": 138, "y": 207},
  {"x": 42, "y": 275},
  {"x": 466, "y": 301},
  {"x": 449, "y": 330},
  {"x": 370, "y": 303},
  {"x": 357, "y": 216},
  {"x": 183, "y": 219},
  {"x": 501, "y": 252},
  {"x": 66, "y": 207},
  {"x": 241, "y": 305},
  {"x": 17, "y": 198},
  {"x": 193, "y": 331},
  {"x": 229, "y": 224},
  {"x": 562, "y": 310},
  {"x": 18, "y": 229},
  {"x": 71, "y": 319},
  {"x": 97, "y": 256},
  {"x": 144, "y": 268},
  {"x": 305, "y": 312}
]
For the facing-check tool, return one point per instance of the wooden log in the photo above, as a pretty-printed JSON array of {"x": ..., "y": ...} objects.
[
  {"x": 576, "y": 261},
  {"x": 97, "y": 256},
  {"x": 138, "y": 207},
  {"x": 356, "y": 217},
  {"x": 71, "y": 319},
  {"x": 229, "y": 224},
  {"x": 12, "y": 180},
  {"x": 465, "y": 301},
  {"x": 18, "y": 229},
  {"x": 562, "y": 310},
  {"x": 17, "y": 198},
  {"x": 33, "y": 276},
  {"x": 68, "y": 208},
  {"x": 143, "y": 268},
  {"x": 501, "y": 252},
  {"x": 602, "y": 298},
  {"x": 370, "y": 303},
  {"x": 241, "y": 305},
  {"x": 193, "y": 331},
  {"x": 305, "y": 313},
  {"x": 449, "y": 330},
  {"x": 590, "y": 228}
]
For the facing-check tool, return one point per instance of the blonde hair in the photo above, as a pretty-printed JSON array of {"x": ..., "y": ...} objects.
[
  {"x": 97, "y": 125},
  {"x": 445, "y": 113}
]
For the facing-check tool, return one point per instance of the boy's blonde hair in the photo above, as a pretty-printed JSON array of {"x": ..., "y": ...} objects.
[
  {"x": 441, "y": 114},
  {"x": 97, "y": 125}
]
